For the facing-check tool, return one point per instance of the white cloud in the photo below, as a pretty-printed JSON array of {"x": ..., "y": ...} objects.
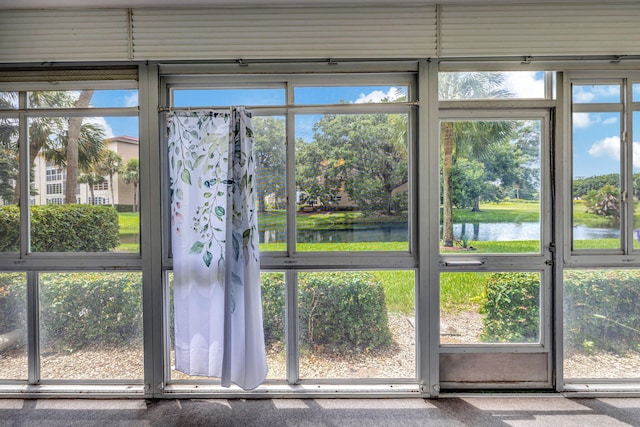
[
  {"x": 610, "y": 121},
  {"x": 131, "y": 100},
  {"x": 100, "y": 121},
  {"x": 583, "y": 120},
  {"x": 608, "y": 147},
  {"x": 524, "y": 84},
  {"x": 378, "y": 95},
  {"x": 580, "y": 96}
]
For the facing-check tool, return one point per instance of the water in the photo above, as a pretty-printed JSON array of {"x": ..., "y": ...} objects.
[{"x": 485, "y": 232}]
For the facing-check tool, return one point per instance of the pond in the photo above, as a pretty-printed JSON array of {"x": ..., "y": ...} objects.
[{"x": 491, "y": 232}]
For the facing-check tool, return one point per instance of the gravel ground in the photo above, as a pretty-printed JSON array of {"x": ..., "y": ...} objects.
[{"x": 398, "y": 361}]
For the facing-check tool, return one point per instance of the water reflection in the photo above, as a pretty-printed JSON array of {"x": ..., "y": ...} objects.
[{"x": 484, "y": 232}]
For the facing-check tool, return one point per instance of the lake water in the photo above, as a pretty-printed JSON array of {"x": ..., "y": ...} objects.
[{"x": 492, "y": 232}]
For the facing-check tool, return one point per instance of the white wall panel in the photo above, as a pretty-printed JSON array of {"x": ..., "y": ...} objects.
[
  {"x": 64, "y": 35},
  {"x": 605, "y": 28},
  {"x": 284, "y": 33}
]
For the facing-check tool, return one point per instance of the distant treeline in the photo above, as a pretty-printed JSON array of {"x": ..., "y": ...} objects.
[{"x": 582, "y": 185}]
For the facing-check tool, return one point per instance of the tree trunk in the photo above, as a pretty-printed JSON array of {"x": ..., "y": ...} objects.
[
  {"x": 446, "y": 130},
  {"x": 113, "y": 204},
  {"x": 73, "y": 139},
  {"x": 135, "y": 197},
  {"x": 476, "y": 205}
]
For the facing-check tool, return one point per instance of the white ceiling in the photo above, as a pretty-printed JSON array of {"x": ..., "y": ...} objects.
[{"x": 50, "y": 4}]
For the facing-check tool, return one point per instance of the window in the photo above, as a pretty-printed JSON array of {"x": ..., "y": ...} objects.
[
  {"x": 54, "y": 188},
  {"x": 334, "y": 164}
]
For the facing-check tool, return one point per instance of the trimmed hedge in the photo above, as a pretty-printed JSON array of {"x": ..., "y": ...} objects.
[
  {"x": 512, "y": 308},
  {"x": 62, "y": 228},
  {"x": 13, "y": 301},
  {"x": 338, "y": 311},
  {"x": 77, "y": 309},
  {"x": 602, "y": 309}
]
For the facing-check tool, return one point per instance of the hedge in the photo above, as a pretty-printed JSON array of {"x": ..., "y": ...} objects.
[
  {"x": 338, "y": 311},
  {"x": 602, "y": 309},
  {"x": 77, "y": 309},
  {"x": 512, "y": 308},
  {"x": 62, "y": 228}
]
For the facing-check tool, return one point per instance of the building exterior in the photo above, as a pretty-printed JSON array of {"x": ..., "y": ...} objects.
[{"x": 49, "y": 180}]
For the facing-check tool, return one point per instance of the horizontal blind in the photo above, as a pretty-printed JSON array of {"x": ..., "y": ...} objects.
[
  {"x": 604, "y": 28},
  {"x": 284, "y": 33},
  {"x": 64, "y": 35}
]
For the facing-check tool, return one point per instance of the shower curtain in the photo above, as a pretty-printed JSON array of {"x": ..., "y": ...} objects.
[{"x": 217, "y": 301}]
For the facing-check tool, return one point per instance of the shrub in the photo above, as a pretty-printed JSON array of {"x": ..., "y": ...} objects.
[
  {"x": 9, "y": 228},
  {"x": 13, "y": 301},
  {"x": 601, "y": 309},
  {"x": 512, "y": 308},
  {"x": 273, "y": 307},
  {"x": 342, "y": 311},
  {"x": 62, "y": 228},
  {"x": 338, "y": 311},
  {"x": 81, "y": 309}
]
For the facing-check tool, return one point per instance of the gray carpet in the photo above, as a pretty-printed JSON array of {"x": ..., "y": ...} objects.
[{"x": 471, "y": 411}]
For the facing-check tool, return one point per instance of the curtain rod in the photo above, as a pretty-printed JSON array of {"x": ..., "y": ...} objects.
[{"x": 281, "y": 107}]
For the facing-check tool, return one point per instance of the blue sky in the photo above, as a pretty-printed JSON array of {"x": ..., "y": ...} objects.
[{"x": 596, "y": 135}]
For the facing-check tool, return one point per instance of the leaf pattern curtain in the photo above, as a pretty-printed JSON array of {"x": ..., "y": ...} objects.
[{"x": 217, "y": 302}]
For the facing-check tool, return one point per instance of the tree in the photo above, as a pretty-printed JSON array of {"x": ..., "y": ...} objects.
[
  {"x": 468, "y": 137},
  {"x": 8, "y": 174},
  {"x": 365, "y": 155},
  {"x": 131, "y": 175},
  {"x": 110, "y": 165},
  {"x": 50, "y": 136},
  {"x": 91, "y": 178},
  {"x": 73, "y": 141},
  {"x": 270, "y": 156},
  {"x": 604, "y": 202}
]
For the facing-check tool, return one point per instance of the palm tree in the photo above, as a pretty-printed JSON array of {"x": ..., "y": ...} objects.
[
  {"x": 110, "y": 165},
  {"x": 131, "y": 175},
  {"x": 73, "y": 142},
  {"x": 91, "y": 177},
  {"x": 465, "y": 137},
  {"x": 50, "y": 136}
]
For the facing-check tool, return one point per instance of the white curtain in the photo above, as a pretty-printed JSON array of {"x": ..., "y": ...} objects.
[{"x": 217, "y": 302}]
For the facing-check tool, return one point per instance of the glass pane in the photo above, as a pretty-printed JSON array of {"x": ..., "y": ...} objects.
[
  {"x": 597, "y": 93},
  {"x": 479, "y": 308},
  {"x": 228, "y": 97},
  {"x": 270, "y": 154},
  {"x": 490, "y": 185},
  {"x": 357, "y": 324},
  {"x": 9, "y": 186},
  {"x": 8, "y": 100},
  {"x": 102, "y": 213},
  {"x": 601, "y": 324},
  {"x": 491, "y": 85},
  {"x": 350, "y": 94},
  {"x": 596, "y": 181},
  {"x": 71, "y": 99},
  {"x": 13, "y": 326},
  {"x": 352, "y": 182},
  {"x": 636, "y": 92},
  {"x": 273, "y": 313},
  {"x": 91, "y": 326}
]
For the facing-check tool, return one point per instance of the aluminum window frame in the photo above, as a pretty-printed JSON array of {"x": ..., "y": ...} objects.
[{"x": 290, "y": 261}]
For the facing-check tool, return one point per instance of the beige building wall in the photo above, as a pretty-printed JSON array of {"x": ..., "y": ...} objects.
[{"x": 48, "y": 179}]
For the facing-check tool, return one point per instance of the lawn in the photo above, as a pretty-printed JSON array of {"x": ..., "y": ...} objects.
[{"x": 459, "y": 291}]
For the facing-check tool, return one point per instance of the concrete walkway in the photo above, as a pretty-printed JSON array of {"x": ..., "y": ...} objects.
[{"x": 467, "y": 411}]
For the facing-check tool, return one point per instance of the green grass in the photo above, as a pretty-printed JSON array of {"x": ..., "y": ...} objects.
[
  {"x": 513, "y": 211},
  {"x": 129, "y": 223}
]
